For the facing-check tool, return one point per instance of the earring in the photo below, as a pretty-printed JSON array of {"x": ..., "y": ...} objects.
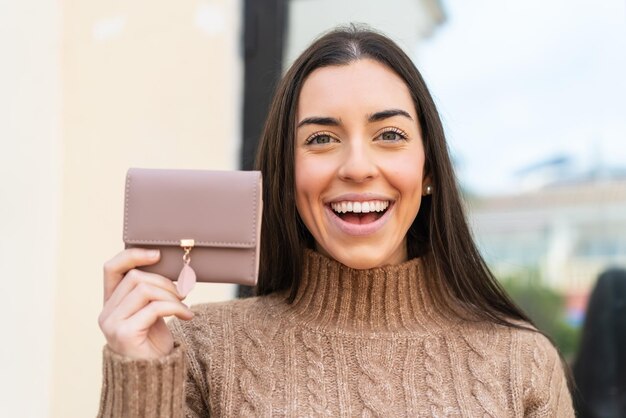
[{"x": 429, "y": 190}]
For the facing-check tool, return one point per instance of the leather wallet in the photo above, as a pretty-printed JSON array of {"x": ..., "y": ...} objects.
[{"x": 208, "y": 220}]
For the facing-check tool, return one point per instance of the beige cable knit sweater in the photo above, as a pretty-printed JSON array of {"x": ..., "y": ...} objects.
[{"x": 354, "y": 343}]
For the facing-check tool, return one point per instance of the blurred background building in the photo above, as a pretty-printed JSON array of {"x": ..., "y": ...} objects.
[
  {"x": 533, "y": 100},
  {"x": 565, "y": 234},
  {"x": 88, "y": 89}
]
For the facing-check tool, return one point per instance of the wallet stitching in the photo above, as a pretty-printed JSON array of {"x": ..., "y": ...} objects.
[
  {"x": 126, "y": 199},
  {"x": 177, "y": 243},
  {"x": 254, "y": 216}
]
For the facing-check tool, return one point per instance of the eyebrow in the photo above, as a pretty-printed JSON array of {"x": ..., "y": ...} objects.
[
  {"x": 374, "y": 117},
  {"x": 378, "y": 116},
  {"x": 318, "y": 120}
]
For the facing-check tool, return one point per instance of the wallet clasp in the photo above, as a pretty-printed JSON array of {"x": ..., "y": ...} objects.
[{"x": 187, "y": 245}]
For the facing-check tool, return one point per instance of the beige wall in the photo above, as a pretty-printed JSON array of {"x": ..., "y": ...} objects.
[
  {"x": 147, "y": 84},
  {"x": 88, "y": 90},
  {"x": 30, "y": 96}
]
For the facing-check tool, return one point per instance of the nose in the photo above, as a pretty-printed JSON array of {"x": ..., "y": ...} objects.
[{"x": 358, "y": 163}]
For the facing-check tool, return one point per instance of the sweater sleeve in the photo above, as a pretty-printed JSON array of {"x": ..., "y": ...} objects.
[
  {"x": 546, "y": 392},
  {"x": 148, "y": 388},
  {"x": 142, "y": 388}
]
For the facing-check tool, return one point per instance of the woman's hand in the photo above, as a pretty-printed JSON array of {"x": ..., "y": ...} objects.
[{"x": 135, "y": 303}]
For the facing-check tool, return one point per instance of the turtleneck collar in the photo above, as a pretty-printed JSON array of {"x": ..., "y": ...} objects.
[{"x": 390, "y": 298}]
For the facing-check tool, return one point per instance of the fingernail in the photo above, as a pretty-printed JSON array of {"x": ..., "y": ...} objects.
[{"x": 153, "y": 253}]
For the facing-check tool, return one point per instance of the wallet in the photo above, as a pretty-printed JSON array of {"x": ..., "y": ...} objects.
[{"x": 205, "y": 223}]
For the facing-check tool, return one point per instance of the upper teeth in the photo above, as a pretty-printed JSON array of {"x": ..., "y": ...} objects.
[{"x": 360, "y": 207}]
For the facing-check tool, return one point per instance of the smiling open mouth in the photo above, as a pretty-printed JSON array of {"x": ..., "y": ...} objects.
[{"x": 360, "y": 212}]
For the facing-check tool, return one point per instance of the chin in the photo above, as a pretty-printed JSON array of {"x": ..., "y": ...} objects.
[
  {"x": 363, "y": 259},
  {"x": 362, "y": 264}
]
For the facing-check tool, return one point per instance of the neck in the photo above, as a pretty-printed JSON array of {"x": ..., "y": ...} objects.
[{"x": 390, "y": 298}]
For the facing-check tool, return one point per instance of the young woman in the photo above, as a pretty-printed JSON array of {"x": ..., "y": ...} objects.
[{"x": 373, "y": 299}]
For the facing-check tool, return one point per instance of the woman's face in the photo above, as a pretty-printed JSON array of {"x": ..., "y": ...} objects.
[{"x": 359, "y": 163}]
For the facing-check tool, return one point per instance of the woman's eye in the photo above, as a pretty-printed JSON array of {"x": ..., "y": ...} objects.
[
  {"x": 320, "y": 139},
  {"x": 391, "y": 136}
]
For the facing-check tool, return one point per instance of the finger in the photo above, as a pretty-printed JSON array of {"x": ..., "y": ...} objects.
[
  {"x": 145, "y": 318},
  {"x": 132, "y": 279},
  {"x": 141, "y": 296},
  {"x": 121, "y": 329},
  {"x": 116, "y": 268}
]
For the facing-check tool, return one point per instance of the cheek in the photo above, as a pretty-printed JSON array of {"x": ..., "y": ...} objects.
[
  {"x": 411, "y": 191},
  {"x": 312, "y": 175},
  {"x": 407, "y": 172},
  {"x": 306, "y": 183}
]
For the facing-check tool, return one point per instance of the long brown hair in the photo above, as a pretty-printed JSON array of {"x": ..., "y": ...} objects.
[{"x": 458, "y": 277}]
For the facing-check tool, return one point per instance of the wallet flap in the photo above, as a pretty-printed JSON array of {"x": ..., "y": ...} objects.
[{"x": 214, "y": 208}]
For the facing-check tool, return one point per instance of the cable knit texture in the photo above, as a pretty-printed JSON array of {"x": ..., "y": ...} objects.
[{"x": 364, "y": 343}]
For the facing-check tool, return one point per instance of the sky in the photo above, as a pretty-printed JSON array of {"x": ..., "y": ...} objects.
[{"x": 519, "y": 82}]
